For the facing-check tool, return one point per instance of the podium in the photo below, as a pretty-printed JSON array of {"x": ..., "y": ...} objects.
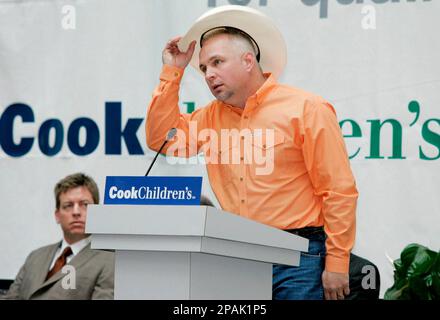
[{"x": 190, "y": 252}]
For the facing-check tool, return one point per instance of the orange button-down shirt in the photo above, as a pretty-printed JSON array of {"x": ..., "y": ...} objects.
[{"x": 311, "y": 183}]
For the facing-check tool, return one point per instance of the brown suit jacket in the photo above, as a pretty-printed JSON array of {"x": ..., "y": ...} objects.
[{"x": 94, "y": 271}]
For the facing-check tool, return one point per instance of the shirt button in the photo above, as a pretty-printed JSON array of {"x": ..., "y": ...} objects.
[
  {"x": 241, "y": 178},
  {"x": 241, "y": 158},
  {"x": 264, "y": 146}
]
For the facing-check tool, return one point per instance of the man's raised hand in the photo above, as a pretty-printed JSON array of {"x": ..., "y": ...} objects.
[{"x": 172, "y": 55}]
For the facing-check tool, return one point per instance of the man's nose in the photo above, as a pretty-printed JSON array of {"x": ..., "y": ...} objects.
[
  {"x": 209, "y": 74},
  {"x": 76, "y": 209}
]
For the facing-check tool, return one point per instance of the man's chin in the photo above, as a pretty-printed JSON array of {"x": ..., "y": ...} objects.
[
  {"x": 223, "y": 96},
  {"x": 78, "y": 231}
]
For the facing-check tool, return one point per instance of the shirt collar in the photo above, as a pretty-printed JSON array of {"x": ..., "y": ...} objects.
[
  {"x": 261, "y": 93},
  {"x": 77, "y": 246},
  {"x": 267, "y": 86},
  {"x": 255, "y": 100}
]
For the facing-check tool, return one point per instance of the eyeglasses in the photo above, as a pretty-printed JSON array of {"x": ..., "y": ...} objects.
[{"x": 232, "y": 30}]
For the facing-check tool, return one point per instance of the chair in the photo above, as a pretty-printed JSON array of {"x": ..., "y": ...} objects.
[{"x": 359, "y": 269}]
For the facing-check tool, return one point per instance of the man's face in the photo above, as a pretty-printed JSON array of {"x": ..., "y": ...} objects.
[
  {"x": 73, "y": 212},
  {"x": 225, "y": 73}
]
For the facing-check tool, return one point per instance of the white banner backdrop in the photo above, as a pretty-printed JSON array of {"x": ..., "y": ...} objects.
[{"x": 76, "y": 78}]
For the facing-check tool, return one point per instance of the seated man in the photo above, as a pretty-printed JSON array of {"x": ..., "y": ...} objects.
[{"x": 89, "y": 273}]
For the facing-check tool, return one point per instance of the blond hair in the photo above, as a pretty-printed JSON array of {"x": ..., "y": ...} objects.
[{"x": 73, "y": 181}]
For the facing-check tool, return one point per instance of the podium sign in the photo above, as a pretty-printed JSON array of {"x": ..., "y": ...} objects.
[{"x": 152, "y": 190}]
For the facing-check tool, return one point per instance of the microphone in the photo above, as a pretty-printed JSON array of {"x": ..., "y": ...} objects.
[{"x": 170, "y": 136}]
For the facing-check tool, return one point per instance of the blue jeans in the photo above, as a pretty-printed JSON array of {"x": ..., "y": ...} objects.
[{"x": 302, "y": 282}]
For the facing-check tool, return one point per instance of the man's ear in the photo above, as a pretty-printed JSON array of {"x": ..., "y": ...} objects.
[
  {"x": 248, "y": 61},
  {"x": 57, "y": 216}
]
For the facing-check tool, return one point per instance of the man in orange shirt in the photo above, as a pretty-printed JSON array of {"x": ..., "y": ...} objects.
[{"x": 304, "y": 184}]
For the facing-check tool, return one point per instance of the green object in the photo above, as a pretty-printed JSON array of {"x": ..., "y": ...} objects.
[
  {"x": 190, "y": 106},
  {"x": 416, "y": 275}
]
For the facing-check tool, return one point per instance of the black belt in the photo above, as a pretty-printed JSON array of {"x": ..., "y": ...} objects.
[{"x": 308, "y": 232}]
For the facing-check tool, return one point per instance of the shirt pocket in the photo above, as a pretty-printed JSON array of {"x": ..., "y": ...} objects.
[
  {"x": 266, "y": 152},
  {"x": 224, "y": 160},
  {"x": 266, "y": 142}
]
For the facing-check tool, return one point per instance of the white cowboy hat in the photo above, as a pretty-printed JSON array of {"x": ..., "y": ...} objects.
[{"x": 260, "y": 28}]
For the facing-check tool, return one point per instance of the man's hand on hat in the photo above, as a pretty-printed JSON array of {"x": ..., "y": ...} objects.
[{"x": 171, "y": 55}]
